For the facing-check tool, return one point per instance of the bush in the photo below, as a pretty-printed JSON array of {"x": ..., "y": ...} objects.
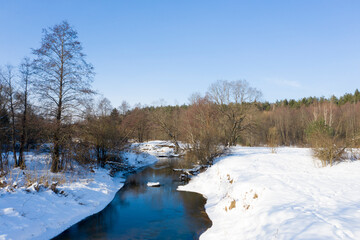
[
  {"x": 325, "y": 143},
  {"x": 273, "y": 139}
]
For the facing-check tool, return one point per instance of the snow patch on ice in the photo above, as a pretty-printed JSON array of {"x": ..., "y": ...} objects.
[{"x": 153, "y": 184}]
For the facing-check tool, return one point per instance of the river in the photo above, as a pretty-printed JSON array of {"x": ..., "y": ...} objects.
[{"x": 142, "y": 212}]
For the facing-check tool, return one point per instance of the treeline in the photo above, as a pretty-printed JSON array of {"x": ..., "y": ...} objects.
[
  {"x": 219, "y": 119},
  {"x": 48, "y": 101},
  {"x": 293, "y": 124},
  {"x": 346, "y": 98}
]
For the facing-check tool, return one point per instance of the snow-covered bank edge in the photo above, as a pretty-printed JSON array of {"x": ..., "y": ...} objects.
[
  {"x": 253, "y": 194},
  {"x": 106, "y": 195},
  {"x": 114, "y": 184},
  {"x": 45, "y": 214}
]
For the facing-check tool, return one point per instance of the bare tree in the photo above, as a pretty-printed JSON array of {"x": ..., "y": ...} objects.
[
  {"x": 234, "y": 100},
  {"x": 202, "y": 131},
  {"x": 124, "y": 107},
  {"x": 64, "y": 79},
  {"x": 138, "y": 122},
  {"x": 26, "y": 72},
  {"x": 8, "y": 77},
  {"x": 273, "y": 139},
  {"x": 168, "y": 120},
  {"x": 102, "y": 133},
  {"x": 4, "y": 121},
  {"x": 104, "y": 107}
]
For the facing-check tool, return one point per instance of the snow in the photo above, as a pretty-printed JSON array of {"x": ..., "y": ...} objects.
[
  {"x": 254, "y": 194},
  {"x": 157, "y": 148},
  {"x": 29, "y": 214},
  {"x": 153, "y": 184},
  {"x": 139, "y": 159},
  {"x": 44, "y": 214}
]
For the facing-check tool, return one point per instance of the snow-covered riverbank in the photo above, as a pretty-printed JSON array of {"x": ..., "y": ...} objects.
[
  {"x": 29, "y": 214},
  {"x": 44, "y": 214},
  {"x": 253, "y": 194}
]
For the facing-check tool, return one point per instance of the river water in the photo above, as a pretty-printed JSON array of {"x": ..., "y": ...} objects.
[{"x": 142, "y": 212}]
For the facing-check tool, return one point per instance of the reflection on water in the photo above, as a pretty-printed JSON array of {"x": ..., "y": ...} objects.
[{"x": 142, "y": 212}]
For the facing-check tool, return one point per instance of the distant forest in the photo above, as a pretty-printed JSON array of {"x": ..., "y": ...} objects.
[{"x": 48, "y": 100}]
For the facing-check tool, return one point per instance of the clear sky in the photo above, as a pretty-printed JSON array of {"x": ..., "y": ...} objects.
[{"x": 148, "y": 50}]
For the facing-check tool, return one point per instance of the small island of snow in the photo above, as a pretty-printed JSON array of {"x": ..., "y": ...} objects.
[{"x": 153, "y": 184}]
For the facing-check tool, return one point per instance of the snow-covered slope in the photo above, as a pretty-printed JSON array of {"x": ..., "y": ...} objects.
[{"x": 253, "y": 194}]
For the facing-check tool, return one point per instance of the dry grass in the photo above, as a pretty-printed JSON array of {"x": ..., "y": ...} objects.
[
  {"x": 232, "y": 204},
  {"x": 231, "y": 181},
  {"x": 27, "y": 178}
]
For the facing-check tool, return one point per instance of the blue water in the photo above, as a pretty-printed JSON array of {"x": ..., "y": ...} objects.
[{"x": 142, "y": 212}]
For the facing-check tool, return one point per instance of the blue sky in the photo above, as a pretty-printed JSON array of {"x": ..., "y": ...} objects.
[{"x": 144, "y": 51}]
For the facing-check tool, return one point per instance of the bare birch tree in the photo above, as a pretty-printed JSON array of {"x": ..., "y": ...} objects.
[{"x": 168, "y": 120}]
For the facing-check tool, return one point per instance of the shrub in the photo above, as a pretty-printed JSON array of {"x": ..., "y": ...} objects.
[
  {"x": 273, "y": 139},
  {"x": 325, "y": 143}
]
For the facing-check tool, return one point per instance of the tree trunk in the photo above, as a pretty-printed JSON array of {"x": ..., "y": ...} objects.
[
  {"x": 1, "y": 158},
  {"x": 55, "y": 166},
  {"x": 23, "y": 134},
  {"x": 13, "y": 132},
  {"x": 22, "y": 143}
]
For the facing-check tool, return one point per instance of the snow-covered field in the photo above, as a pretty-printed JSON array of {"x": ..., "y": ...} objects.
[
  {"x": 29, "y": 214},
  {"x": 254, "y": 194}
]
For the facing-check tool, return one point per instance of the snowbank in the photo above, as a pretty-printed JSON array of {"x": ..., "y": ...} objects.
[
  {"x": 253, "y": 194},
  {"x": 44, "y": 214},
  {"x": 28, "y": 214}
]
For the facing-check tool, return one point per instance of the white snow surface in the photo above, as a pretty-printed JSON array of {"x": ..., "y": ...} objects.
[
  {"x": 157, "y": 148},
  {"x": 254, "y": 194},
  {"x": 44, "y": 214},
  {"x": 153, "y": 184}
]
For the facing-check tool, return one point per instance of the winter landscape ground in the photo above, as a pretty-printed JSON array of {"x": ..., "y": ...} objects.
[
  {"x": 251, "y": 194},
  {"x": 254, "y": 194}
]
